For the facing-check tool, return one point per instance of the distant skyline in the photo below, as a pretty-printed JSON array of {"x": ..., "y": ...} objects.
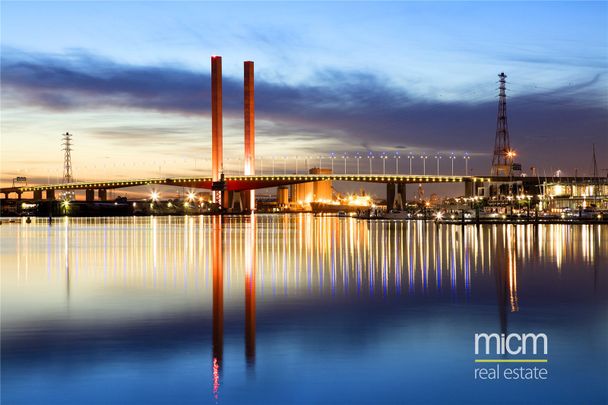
[{"x": 131, "y": 81}]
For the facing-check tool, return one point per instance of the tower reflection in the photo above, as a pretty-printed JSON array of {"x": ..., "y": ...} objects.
[
  {"x": 217, "y": 258},
  {"x": 500, "y": 264},
  {"x": 250, "y": 273}
]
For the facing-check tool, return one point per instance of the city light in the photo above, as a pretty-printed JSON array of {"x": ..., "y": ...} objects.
[
  {"x": 154, "y": 196},
  {"x": 191, "y": 196}
]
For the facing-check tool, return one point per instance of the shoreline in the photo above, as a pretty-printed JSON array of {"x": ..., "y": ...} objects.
[{"x": 497, "y": 221}]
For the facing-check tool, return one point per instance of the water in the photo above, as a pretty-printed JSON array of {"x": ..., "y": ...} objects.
[{"x": 295, "y": 309}]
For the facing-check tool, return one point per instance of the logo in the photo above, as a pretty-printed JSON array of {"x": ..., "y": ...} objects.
[
  {"x": 513, "y": 343},
  {"x": 511, "y": 356}
]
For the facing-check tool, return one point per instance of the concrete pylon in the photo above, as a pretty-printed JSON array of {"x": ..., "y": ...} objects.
[
  {"x": 217, "y": 160},
  {"x": 236, "y": 203},
  {"x": 390, "y": 195},
  {"x": 402, "y": 193},
  {"x": 398, "y": 203},
  {"x": 395, "y": 196},
  {"x": 249, "y": 102},
  {"x": 90, "y": 195}
]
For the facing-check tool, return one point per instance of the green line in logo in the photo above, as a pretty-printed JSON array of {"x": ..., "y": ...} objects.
[{"x": 511, "y": 360}]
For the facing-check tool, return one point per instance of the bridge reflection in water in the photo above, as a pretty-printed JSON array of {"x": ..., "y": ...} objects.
[
  {"x": 292, "y": 255},
  {"x": 208, "y": 261}
]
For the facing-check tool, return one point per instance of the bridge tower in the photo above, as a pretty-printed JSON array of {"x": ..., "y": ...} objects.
[
  {"x": 217, "y": 161},
  {"x": 249, "y": 196},
  {"x": 502, "y": 162}
]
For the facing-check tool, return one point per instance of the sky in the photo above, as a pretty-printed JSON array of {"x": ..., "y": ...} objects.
[{"x": 131, "y": 82}]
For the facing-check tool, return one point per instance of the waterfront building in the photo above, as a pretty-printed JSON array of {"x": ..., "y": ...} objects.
[{"x": 305, "y": 193}]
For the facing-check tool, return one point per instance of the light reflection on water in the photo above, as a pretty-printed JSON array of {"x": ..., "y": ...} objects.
[{"x": 82, "y": 277}]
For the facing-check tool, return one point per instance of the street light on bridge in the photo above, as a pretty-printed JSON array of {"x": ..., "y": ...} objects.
[
  {"x": 410, "y": 157},
  {"x": 345, "y": 157},
  {"x": 437, "y": 158},
  {"x": 358, "y": 158},
  {"x": 452, "y": 157},
  {"x": 383, "y": 157},
  {"x": 397, "y": 157},
  {"x": 466, "y": 164},
  {"x": 332, "y": 156},
  {"x": 370, "y": 156},
  {"x": 424, "y": 158}
]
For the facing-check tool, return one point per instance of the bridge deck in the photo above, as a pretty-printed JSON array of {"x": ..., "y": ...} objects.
[{"x": 239, "y": 183}]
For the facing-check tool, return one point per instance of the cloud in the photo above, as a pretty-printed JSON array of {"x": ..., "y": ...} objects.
[{"x": 360, "y": 110}]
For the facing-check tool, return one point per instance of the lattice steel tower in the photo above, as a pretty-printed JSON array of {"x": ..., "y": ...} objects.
[
  {"x": 502, "y": 162},
  {"x": 67, "y": 158}
]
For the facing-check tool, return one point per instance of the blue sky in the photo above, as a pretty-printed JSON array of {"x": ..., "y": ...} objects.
[{"x": 330, "y": 77}]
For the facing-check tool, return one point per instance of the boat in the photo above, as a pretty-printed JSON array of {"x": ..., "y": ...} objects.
[
  {"x": 396, "y": 214},
  {"x": 370, "y": 213},
  {"x": 352, "y": 203},
  {"x": 331, "y": 207}
]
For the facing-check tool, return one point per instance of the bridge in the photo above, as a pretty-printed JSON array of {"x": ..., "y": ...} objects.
[
  {"x": 219, "y": 182},
  {"x": 234, "y": 183}
]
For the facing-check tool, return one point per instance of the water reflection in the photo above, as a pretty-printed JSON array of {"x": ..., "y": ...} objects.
[
  {"x": 83, "y": 274},
  {"x": 250, "y": 272},
  {"x": 292, "y": 255},
  {"x": 217, "y": 259}
]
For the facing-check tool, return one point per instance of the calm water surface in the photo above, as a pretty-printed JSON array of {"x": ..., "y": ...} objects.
[{"x": 295, "y": 309}]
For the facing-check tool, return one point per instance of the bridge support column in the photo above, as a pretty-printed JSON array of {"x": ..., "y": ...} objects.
[
  {"x": 37, "y": 195},
  {"x": 18, "y": 195},
  {"x": 390, "y": 196},
  {"x": 248, "y": 201},
  {"x": 102, "y": 193},
  {"x": 402, "y": 194},
  {"x": 470, "y": 189},
  {"x": 236, "y": 204},
  {"x": 90, "y": 195},
  {"x": 50, "y": 195}
]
